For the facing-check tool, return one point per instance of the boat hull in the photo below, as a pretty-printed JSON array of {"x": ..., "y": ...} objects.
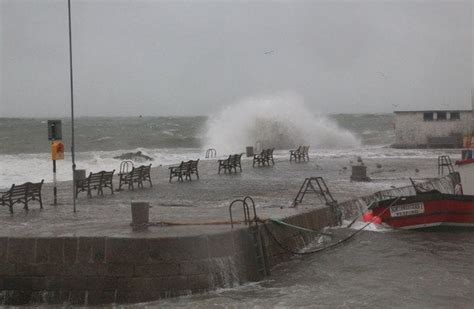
[{"x": 426, "y": 210}]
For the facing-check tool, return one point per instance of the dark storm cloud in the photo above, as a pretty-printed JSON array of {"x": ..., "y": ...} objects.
[{"x": 186, "y": 58}]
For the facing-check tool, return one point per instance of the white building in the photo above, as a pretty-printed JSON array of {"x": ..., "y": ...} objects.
[{"x": 431, "y": 128}]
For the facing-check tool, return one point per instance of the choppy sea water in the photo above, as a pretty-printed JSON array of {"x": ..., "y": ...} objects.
[
  {"x": 390, "y": 269},
  {"x": 25, "y": 149}
]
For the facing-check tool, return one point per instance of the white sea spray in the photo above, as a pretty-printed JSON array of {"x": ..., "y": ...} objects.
[{"x": 282, "y": 122}]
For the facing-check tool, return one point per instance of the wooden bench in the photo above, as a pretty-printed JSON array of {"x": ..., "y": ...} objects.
[
  {"x": 95, "y": 181},
  {"x": 295, "y": 154},
  {"x": 305, "y": 154},
  {"x": 22, "y": 194},
  {"x": 193, "y": 168},
  {"x": 301, "y": 153},
  {"x": 264, "y": 157},
  {"x": 232, "y": 162},
  {"x": 185, "y": 169},
  {"x": 137, "y": 175},
  {"x": 224, "y": 164}
]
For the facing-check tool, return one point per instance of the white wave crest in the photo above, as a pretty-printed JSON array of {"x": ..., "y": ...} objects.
[{"x": 282, "y": 122}]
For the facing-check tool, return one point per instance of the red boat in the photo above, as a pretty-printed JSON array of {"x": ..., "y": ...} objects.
[
  {"x": 432, "y": 208},
  {"x": 426, "y": 209}
]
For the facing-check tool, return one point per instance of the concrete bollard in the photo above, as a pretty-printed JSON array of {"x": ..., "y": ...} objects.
[
  {"x": 359, "y": 173},
  {"x": 140, "y": 215},
  {"x": 249, "y": 150}
]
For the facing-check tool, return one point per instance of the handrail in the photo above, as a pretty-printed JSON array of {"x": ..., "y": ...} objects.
[
  {"x": 211, "y": 153},
  {"x": 125, "y": 166},
  {"x": 253, "y": 206},
  {"x": 245, "y": 207}
]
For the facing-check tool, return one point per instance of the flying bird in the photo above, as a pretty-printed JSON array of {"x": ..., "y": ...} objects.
[{"x": 382, "y": 74}]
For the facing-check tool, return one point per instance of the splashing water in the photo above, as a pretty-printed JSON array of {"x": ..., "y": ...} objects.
[{"x": 282, "y": 122}]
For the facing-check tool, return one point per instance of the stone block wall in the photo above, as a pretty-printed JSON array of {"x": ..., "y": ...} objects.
[
  {"x": 100, "y": 270},
  {"x": 104, "y": 270}
]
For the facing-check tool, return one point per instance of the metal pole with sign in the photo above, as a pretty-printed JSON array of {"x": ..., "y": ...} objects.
[
  {"x": 57, "y": 150},
  {"x": 73, "y": 158}
]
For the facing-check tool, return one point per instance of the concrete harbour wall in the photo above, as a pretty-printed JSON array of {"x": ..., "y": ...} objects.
[{"x": 104, "y": 270}]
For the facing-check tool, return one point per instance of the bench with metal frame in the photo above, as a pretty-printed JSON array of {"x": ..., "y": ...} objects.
[
  {"x": 300, "y": 153},
  {"x": 96, "y": 181},
  {"x": 264, "y": 157},
  {"x": 137, "y": 175},
  {"x": 193, "y": 168},
  {"x": 185, "y": 169},
  {"x": 232, "y": 162},
  {"x": 22, "y": 194}
]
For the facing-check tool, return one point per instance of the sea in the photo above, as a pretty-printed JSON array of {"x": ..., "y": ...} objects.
[
  {"x": 25, "y": 152},
  {"x": 377, "y": 269}
]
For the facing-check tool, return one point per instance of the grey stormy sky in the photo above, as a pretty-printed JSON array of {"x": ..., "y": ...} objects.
[{"x": 194, "y": 57}]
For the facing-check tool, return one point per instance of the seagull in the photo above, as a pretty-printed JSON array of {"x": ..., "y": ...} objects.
[
  {"x": 383, "y": 75},
  {"x": 269, "y": 52}
]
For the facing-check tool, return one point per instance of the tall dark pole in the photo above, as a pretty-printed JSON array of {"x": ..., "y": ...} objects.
[{"x": 72, "y": 111}]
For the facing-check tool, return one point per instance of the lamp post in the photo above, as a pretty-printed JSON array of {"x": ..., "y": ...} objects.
[{"x": 72, "y": 110}]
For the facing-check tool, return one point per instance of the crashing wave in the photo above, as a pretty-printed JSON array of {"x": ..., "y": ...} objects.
[{"x": 282, "y": 122}]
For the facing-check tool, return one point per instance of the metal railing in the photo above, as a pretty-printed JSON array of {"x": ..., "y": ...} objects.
[{"x": 245, "y": 205}]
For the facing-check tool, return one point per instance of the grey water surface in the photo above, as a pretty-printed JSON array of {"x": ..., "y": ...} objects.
[{"x": 394, "y": 269}]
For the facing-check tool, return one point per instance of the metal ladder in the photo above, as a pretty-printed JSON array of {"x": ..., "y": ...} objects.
[
  {"x": 308, "y": 187},
  {"x": 245, "y": 206},
  {"x": 260, "y": 256},
  {"x": 444, "y": 161},
  {"x": 125, "y": 168},
  {"x": 211, "y": 153},
  {"x": 257, "y": 241}
]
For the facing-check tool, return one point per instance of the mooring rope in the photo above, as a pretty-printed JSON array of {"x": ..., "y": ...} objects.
[
  {"x": 298, "y": 227},
  {"x": 355, "y": 219},
  {"x": 272, "y": 236}
]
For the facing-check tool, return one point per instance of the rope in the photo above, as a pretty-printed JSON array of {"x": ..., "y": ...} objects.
[
  {"x": 327, "y": 247},
  {"x": 297, "y": 227},
  {"x": 355, "y": 219}
]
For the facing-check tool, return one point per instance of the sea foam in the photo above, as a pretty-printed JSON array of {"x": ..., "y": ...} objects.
[
  {"x": 282, "y": 122},
  {"x": 34, "y": 167}
]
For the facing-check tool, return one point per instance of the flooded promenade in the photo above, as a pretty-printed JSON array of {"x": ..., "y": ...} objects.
[{"x": 206, "y": 200}]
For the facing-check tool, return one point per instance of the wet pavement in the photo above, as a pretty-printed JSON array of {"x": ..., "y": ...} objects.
[{"x": 206, "y": 200}]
